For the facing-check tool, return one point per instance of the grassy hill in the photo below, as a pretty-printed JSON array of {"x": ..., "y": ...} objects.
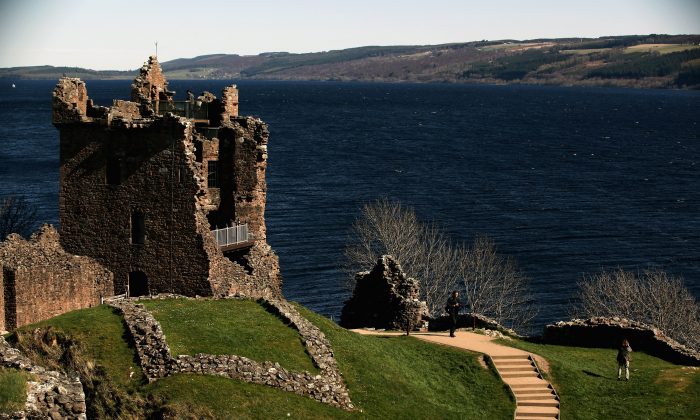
[
  {"x": 397, "y": 377},
  {"x": 660, "y": 61},
  {"x": 387, "y": 378}
]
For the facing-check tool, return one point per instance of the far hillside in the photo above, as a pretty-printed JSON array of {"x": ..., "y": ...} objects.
[{"x": 654, "y": 61}]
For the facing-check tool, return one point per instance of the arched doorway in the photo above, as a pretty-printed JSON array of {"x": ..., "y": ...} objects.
[{"x": 138, "y": 284}]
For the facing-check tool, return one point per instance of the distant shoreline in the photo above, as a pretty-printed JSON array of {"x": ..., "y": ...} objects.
[{"x": 635, "y": 61}]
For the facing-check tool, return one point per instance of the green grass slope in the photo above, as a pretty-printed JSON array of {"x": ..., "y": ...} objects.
[
  {"x": 13, "y": 390},
  {"x": 240, "y": 327},
  {"x": 392, "y": 377},
  {"x": 586, "y": 380},
  {"x": 387, "y": 377}
]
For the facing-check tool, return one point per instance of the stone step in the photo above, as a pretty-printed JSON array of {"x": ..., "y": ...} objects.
[
  {"x": 537, "y": 397},
  {"x": 531, "y": 374},
  {"x": 512, "y": 357},
  {"x": 534, "y": 391},
  {"x": 530, "y": 385},
  {"x": 552, "y": 403},
  {"x": 536, "y": 411},
  {"x": 536, "y": 418},
  {"x": 523, "y": 362},
  {"x": 517, "y": 369}
]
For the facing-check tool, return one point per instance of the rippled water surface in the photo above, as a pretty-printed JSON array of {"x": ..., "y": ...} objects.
[{"x": 566, "y": 180}]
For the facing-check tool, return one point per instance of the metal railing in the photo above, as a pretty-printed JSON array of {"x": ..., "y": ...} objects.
[
  {"x": 187, "y": 109},
  {"x": 232, "y": 235}
]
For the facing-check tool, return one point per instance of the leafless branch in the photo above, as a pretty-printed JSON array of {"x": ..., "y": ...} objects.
[
  {"x": 652, "y": 297},
  {"x": 17, "y": 215}
]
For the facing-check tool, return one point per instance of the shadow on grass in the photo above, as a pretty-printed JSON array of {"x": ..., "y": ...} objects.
[
  {"x": 131, "y": 342},
  {"x": 267, "y": 306},
  {"x": 593, "y": 374}
]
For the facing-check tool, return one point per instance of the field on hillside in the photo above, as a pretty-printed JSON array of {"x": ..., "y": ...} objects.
[
  {"x": 387, "y": 378},
  {"x": 660, "y": 48}
]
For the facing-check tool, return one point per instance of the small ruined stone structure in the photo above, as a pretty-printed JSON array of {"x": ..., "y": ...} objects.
[
  {"x": 384, "y": 298},
  {"x": 609, "y": 332},
  {"x": 168, "y": 195},
  {"x": 39, "y": 280}
]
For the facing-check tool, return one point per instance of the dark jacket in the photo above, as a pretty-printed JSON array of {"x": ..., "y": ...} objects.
[{"x": 452, "y": 306}]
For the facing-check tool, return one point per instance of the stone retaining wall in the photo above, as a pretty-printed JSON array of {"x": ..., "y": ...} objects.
[
  {"x": 51, "y": 394},
  {"x": 157, "y": 361},
  {"x": 469, "y": 320},
  {"x": 609, "y": 332}
]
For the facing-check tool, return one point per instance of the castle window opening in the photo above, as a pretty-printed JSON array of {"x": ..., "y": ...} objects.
[
  {"x": 10, "y": 293},
  {"x": 198, "y": 146},
  {"x": 212, "y": 174},
  {"x": 138, "y": 227},
  {"x": 113, "y": 172},
  {"x": 138, "y": 284}
]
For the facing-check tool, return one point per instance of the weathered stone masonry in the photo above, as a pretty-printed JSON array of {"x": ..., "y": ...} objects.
[
  {"x": 144, "y": 182},
  {"x": 50, "y": 394},
  {"x": 39, "y": 280},
  {"x": 157, "y": 361}
]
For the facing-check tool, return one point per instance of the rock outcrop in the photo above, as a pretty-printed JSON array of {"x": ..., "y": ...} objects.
[
  {"x": 609, "y": 332},
  {"x": 384, "y": 298},
  {"x": 50, "y": 394}
]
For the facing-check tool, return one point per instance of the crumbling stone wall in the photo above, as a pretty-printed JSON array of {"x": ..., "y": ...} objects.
[
  {"x": 70, "y": 101},
  {"x": 609, "y": 333},
  {"x": 157, "y": 361},
  {"x": 51, "y": 394},
  {"x": 384, "y": 298},
  {"x": 46, "y": 280},
  {"x": 127, "y": 166},
  {"x": 150, "y": 84},
  {"x": 229, "y": 103},
  {"x": 469, "y": 320}
]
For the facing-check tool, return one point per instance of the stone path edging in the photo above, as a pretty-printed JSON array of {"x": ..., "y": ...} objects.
[
  {"x": 157, "y": 361},
  {"x": 534, "y": 397},
  {"x": 53, "y": 395}
]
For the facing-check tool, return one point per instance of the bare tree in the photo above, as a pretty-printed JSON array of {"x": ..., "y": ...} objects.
[
  {"x": 652, "y": 297},
  {"x": 494, "y": 286},
  {"x": 17, "y": 215}
]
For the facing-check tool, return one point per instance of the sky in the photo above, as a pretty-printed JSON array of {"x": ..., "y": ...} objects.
[{"x": 120, "y": 35}]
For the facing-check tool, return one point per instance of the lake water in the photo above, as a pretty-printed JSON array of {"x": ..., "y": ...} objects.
[{"x": 566, "y": 180}]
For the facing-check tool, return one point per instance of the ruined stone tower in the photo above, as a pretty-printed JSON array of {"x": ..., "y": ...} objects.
[{"x": 168, "y": 195}]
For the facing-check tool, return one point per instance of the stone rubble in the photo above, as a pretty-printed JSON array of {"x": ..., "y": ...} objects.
[
  {"x": 157, "y": 361},
  {"x": 609, "y": 332},
  {"x": 51, "y": 394}
]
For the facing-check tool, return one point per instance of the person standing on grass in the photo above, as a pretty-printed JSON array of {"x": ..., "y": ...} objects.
[
  {"x": 623, "y": 360},
  {"x": 452, "y": 309}
]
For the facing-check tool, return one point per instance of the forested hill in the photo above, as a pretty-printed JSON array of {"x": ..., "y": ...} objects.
[{"x": 659, "y": 61}]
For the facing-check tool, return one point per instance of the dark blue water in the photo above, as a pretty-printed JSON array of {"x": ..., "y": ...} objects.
[{"x": 566, "y": 180}]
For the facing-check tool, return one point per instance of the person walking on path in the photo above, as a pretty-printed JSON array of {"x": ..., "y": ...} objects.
[
  {"x": 452, "y": 309},
  {"x": 623, "y": 360}
]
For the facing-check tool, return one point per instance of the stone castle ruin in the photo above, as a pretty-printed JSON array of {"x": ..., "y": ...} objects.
[{"x": 167, "y": 195}]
